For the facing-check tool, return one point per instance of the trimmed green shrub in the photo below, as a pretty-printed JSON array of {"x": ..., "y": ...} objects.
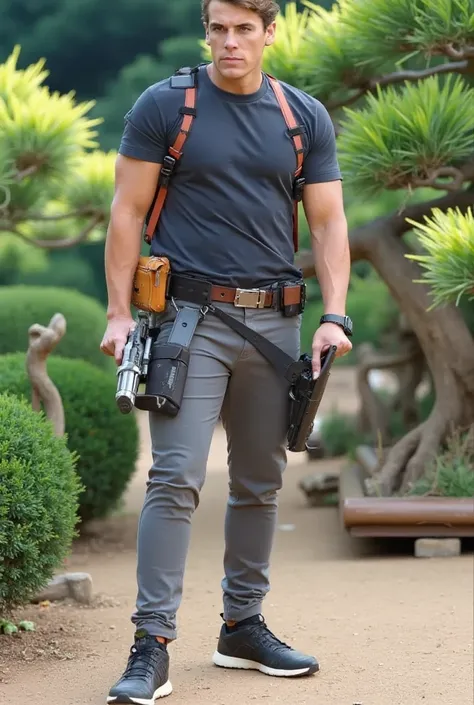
[
  {"x": 39, "y": 491},
  {"x": 106, "y": 441},
  {"x": 22, "y": 306}
]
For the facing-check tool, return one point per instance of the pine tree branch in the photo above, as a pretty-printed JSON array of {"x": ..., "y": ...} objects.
[
  {"x": 59, "y": 244},
  {"x": 38, "y": 217},
  {"x": 400, "y": 77},
  {"x": 457, "y": 179},
  {"x": 462, "y": 199},
  {"x": 466, "y": 53},
  {"x": 20, "y": 175}
]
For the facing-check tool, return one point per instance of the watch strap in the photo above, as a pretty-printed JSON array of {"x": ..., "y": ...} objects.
[{"x": 343, "y": 321}]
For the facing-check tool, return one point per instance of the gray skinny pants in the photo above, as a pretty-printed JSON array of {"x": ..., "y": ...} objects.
[{"x": 227, "y": 378}]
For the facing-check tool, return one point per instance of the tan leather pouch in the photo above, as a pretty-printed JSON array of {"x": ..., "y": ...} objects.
[{"x": 150, "y": 284}]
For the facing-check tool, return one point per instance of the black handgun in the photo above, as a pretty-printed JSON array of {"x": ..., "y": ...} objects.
[{"x": 305, "y": 398}]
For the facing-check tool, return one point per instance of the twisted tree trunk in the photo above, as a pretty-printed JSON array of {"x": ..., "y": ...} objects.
[
  {"x": 449, "y": 350},
  {"x": 444, "y": 338},
  {"x": 42, "y": 340}
]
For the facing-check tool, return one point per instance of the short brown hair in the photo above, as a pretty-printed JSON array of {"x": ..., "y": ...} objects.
[{"x": 266, "y": 9}]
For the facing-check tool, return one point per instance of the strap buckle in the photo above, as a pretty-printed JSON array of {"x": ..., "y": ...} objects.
[
  {"x": 250, "y": 298},
  {"x": 167, "y": 169},
  {"x": 298, "y": 188}
]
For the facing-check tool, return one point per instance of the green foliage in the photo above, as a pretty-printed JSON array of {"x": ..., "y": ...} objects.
[
  {"x": 7, "y": 627},
  {"x": 339, "y": 434},
  {"x": 402, "y": 136},
  {"x": 39, "y": 491},
  {"x": 41, "y": 131},
  {"x": 106, "y": 442},
  {"x": 50, "y": 181},
  {"x": 22, "y": 306},
  {"x": 92, "y": 188},
  {"x": 400, "y": 29},
  {"x": 327, "y": 43},
  {"x": 283, "y": 57},
  {"x": 451, "y": 474},
  {"x": 448, "y": 239}
]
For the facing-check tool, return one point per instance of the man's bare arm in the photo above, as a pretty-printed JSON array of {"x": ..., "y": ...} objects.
[
  {"x": 324, "y": 208},
  {"x": 135, "y": 187}
]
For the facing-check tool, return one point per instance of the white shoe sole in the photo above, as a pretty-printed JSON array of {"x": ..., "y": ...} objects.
[
  {"x": 231, "y": 662},
  {"x": 162, "y": 692}
]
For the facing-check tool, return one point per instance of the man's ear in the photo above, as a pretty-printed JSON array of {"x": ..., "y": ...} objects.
[
  {"x": 271, "y": 32},
  {"x": 206, "y": 30}
]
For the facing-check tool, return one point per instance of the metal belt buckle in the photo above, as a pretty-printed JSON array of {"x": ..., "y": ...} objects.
[{"x": 250, "y": 298}]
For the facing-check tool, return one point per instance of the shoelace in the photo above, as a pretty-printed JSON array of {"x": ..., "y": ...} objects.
[
  {"x": 268, "y": 638},
  {"x": 142, "y": 661}
]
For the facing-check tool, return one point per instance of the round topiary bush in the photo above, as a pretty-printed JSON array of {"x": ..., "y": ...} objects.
[
  {"x": 106, "y": 441},
  {"x": 39, "y": 491},
  {"x": 22, "y": 306}
]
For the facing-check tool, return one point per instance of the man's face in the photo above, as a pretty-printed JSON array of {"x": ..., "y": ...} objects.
[{"x": 237, "y": 39}]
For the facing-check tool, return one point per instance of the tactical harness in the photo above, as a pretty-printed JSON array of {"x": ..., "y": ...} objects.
[
  {"x": 162, "y": 364},
  {"x": 186, "y": 78}
]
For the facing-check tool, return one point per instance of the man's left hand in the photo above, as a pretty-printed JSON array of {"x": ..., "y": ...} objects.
[{"x": 329, "y": 334}]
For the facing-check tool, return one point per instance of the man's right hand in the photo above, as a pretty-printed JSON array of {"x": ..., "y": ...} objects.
[{"x": 116, "y": 335}]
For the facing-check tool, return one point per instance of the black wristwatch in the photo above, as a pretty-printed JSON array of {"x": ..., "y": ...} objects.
[{"x": 343, "y": 321}]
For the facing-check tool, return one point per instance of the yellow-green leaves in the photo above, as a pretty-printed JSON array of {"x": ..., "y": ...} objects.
[
  {"x": 283, "y": 58},
  {"x": 49, "y": 164},
  {"x": 21, "y": 83},
  {"x": 448, "y": 262},
  {"x": 403, "y": 135},
  {"x": 92, "y": 188},
  {"x": 327, "y": 66}
]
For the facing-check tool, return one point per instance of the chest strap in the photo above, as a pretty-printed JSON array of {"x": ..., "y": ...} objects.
[{"x": 187, "y": 78}]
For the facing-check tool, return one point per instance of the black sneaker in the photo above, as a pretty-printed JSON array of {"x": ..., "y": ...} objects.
[
  {"x": 251, "y": 645},
  {"x": 146, "y": 677}
]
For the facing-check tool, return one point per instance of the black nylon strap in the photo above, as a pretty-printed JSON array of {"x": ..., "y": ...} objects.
[{"x": 283, "y": 363}]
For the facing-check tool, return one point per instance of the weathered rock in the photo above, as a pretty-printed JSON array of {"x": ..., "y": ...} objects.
[
  {"x": 320, "y": 483},
  {"x": 437, "y": 548},
  {"x": 57, "y": 589},
  {"x": 78, "y": 586},
  {"x": 321, "y": 489}
]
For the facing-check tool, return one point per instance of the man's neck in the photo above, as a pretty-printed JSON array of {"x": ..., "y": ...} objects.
[{"x": 243, "y": 86}]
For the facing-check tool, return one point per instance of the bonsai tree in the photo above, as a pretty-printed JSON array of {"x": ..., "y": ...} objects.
[
  {"x": 53, "y": 179},
  {"x": 396, "y": 77}
]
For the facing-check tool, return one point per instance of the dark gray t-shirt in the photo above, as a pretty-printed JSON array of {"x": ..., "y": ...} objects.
[{"x": 228, "y": 213}]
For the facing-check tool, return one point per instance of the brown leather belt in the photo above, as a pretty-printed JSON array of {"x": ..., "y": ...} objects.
[
  {"x": 199, "y": 291},
  {"x": 255, "y": 298}
]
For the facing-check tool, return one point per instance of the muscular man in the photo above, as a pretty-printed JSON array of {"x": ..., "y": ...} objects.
[{"x": 228, "y": 220}]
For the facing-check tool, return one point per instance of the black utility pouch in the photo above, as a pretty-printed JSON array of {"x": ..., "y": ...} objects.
[
  {"x": 168, "y": 366},
  {"x": 166, "y": 379},
  {"x": 287, "y": 304}
]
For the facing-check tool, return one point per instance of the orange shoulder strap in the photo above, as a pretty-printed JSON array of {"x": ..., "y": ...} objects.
[
  {"x": 174, "y": 153},
  {"x": 176, "y": 150},
  {"x": 296, "y": 135}
]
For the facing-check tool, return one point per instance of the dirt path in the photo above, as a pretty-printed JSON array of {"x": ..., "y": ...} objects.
[{"x": 388, "y": 630}]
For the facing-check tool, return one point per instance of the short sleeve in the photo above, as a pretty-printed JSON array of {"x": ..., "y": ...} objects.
[
  {"x": 321, "y": 163},
  {"x": 145, "y": 136}
]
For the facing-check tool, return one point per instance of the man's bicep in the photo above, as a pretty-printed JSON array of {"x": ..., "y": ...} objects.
[
  {"x": 323, "y": 202},
  {"x": 135, "y": 185}
]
